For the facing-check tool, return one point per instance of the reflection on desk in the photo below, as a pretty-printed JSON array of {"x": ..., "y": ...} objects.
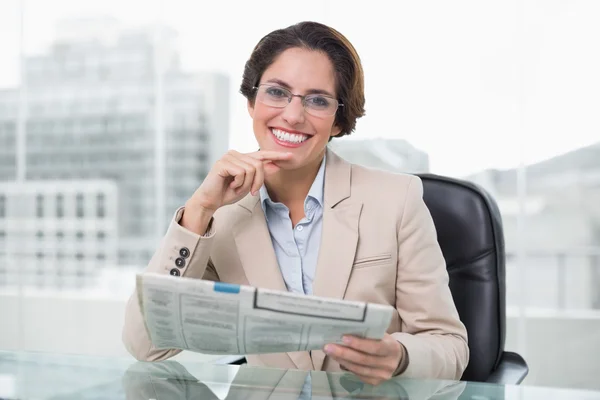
[
  {"x": 26, "y": 375},
  {"x": 171, "y": 380}
]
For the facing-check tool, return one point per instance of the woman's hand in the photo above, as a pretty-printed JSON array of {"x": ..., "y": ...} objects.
[
  {"x": 373, "y": 361},
  {"x": 230, "y": 179}
]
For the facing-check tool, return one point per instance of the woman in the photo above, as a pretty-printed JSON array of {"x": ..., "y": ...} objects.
[{"x": 295, "y": 216}]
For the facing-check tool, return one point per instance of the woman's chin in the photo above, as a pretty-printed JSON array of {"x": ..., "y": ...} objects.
[{"x": 286, "y": 164}]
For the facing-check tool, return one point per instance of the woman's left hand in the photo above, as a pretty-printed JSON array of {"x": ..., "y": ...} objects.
[{"x": 373, "y": 361}]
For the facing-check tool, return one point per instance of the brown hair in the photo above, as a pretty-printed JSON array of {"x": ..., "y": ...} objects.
[{"x": 318, "y": 37}]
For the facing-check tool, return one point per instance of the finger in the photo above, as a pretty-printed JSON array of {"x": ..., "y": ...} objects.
[
  {"x": 259, "y": 179},
  {"x": 371, "y": 381},
  {"x": 375, "y": 347},
  {"x": 258, "y": 170},
  {"x": 227, "y": 169},
  {"x": 238, "y": 173},
  {"x": 271, "y": 155},
  {"x": 232, "y": 158},
  {"x": 352, "y": 355},
  {"x": 250, "y": 171},
  {"x": 238, "y": 180},
  {"x": 364, "y": 371},
  {"x": 259, "y": 174}
]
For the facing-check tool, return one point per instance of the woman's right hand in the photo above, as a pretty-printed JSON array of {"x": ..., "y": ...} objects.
[{"x": 230, "y": 179}]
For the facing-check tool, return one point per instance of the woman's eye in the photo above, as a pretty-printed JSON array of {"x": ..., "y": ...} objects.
[
  {"x": 276, "y": 92},
  {"x": 318, "y": 101}
]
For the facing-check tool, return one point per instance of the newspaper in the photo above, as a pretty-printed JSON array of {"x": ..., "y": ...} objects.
[{"x": 220, "y": 318}]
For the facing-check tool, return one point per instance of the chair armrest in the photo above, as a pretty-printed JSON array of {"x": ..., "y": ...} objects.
[{"x": 511, "y": 370}]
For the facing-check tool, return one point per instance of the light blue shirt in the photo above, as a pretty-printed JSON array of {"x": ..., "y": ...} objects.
[{"x": 297, "y": 248}]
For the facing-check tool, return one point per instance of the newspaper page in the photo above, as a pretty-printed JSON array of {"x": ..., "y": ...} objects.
[{"x": 220, "y": 318}]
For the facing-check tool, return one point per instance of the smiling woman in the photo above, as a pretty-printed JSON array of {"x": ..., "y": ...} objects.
[{"x": 295, "y": 216}]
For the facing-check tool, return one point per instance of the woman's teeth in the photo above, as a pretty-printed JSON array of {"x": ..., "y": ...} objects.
[{"x": 289, "y": 137}]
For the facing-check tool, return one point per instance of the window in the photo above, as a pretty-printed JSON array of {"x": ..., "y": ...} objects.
[
  {"x": 39, "y": 206},
  {"x": 79, "y": 206},
  {"x": 100, "y": 206},
  {"x": 2, "y": 206},
  {"x": 449, "y": 110},
  {"x": 60, "y": 206}
]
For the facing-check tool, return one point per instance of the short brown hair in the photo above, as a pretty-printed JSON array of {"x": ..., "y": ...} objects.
[{"x": 318, "y": 37}]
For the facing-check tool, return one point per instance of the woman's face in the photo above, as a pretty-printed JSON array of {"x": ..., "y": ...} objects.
[{"x": 292, "y": 128}]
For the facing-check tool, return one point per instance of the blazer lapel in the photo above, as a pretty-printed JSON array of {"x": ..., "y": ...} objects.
[
  {"x": 255, "y": 248},
  {"x": 339, "y": 236},
  {"x": 259, "y": 261}
]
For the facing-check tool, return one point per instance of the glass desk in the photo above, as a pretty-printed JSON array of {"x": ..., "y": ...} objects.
[{"x": 47, "y": 376}]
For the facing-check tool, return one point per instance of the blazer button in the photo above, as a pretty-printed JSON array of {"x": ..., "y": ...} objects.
[
  {"x": 174, "y": 272},
  {"x": 184, "y": 252},
  {"x": 180, "y": 262}
]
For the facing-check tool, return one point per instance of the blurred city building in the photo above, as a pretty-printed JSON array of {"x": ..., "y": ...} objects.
[
  {"x": 113, "y": 104},
  {"x": 560, "y": 265},
  {"x": 57, "y": 234}
]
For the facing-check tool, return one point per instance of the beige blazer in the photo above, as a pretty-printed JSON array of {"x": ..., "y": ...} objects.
[{"x": 378, "y": 245}]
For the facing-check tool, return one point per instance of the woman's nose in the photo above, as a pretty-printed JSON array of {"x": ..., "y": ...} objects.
[{"x": 293, "y": 113}]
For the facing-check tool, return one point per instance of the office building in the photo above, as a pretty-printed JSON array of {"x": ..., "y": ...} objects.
[
  {"x": 556, "y": 224},
  {"x": 57, "y": 234},
  {"x": 105, "y": 103}
]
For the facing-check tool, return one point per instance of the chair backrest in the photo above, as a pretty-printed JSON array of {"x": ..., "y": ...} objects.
[{"x": 469, "y": 230}]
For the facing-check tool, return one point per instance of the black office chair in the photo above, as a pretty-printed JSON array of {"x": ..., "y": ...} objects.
[{"x": 469, "y": 230}]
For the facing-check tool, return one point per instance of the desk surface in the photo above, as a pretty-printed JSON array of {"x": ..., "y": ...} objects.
[{"x": 48, "y": 376}]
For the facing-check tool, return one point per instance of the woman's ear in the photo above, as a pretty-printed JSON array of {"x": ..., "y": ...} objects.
[{"x": 335, "y": 130}]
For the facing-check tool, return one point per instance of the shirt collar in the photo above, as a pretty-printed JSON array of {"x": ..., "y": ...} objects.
[{"x": 316, "y": 190}]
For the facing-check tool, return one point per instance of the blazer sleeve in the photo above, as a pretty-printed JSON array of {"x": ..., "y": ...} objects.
[
  {"x": 198, "y": 265},
  {"x": 432, "y": 333}
]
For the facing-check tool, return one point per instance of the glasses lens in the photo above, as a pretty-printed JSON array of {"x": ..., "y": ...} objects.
[
  {"x": 321, "y": 106},
  {"x": 273, "y": 96}
]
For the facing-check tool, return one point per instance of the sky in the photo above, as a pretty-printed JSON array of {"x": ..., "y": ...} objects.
[{"x": 474, "y": 84}]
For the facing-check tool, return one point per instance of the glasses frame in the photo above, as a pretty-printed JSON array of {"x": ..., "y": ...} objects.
[{"x": 302, "y": 98}]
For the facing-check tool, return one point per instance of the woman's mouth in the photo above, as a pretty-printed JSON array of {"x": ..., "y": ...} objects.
[{"x": 289, "y": 139}]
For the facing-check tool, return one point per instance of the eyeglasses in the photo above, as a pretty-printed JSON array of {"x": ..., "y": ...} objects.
[{"x": 315, "y": 104}]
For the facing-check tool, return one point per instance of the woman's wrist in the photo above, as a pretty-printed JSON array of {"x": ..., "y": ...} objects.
[{"x": 196, "y": 218}]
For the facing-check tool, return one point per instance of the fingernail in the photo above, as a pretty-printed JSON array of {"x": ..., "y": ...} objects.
[
  {"x": 328, "y": 349},
  {"x": 346, "y": 339}
]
